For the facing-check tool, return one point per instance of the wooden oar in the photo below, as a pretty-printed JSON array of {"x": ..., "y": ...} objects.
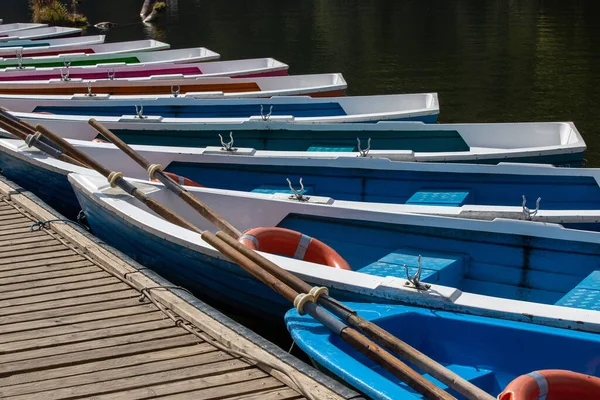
[
  {"x": 155, "y": 171},
  {"x": 350, "y": 335},
  {"x": 21, "y": 125},
  {"x": 33, "y": 140},
  {"x": 383, "y": 337}
]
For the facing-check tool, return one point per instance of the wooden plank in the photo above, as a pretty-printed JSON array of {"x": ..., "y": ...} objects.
[
  {"x": 242, "y": 390},
  {"x": 131, "y": 387},
  {"x": 35, "y": 257},
  {"x": 32, "y": 244},
  {"x": 45, "y": 268},
  {"x": 9, "y": 212},
  {"x": 108, "y": 375},
  {"x": 112, "y": 286},
  {"x": 58, "y": 288},
  {"x": 39, "y": 263},
  {"x": 50, "y": 283},
  {"x": 49, "y": 276},
  {"x": 14, "y": 223},
  {"x": 77, "y": 318},
  {"x": 108, "y": 364},
  {"x": 283, "y": 393},
  {"x": 81, "y": 327},
  {"x": 42, "y": 248},
  {"x": 14, "y": 231},
  {"x": 52, "y": 304},
  {"x": 83, "y": 357},
  {"x": 186, "y": 383},
  {"x": 71, "y": 348},
  {"x": 98, "y": 333},
  {"x": 68, "y": 310},
  {"x": 17, "y": 238}
]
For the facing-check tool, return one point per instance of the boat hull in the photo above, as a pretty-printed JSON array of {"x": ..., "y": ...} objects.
[{"x": 488, "y": 352}]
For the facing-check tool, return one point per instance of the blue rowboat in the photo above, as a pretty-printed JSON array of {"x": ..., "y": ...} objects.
[
  {"x": 570, "y": 196},
  {"x": 516, "y": 270},
  {"x": 487, "y": 352}
]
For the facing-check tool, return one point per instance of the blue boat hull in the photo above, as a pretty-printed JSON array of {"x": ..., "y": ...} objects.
[
  {"x": 52, "y": 187},
  {"x": 488, "y": 352}
]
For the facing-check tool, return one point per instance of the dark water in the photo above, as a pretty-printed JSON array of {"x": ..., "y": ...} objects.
[{"x": 489, "y": 60}]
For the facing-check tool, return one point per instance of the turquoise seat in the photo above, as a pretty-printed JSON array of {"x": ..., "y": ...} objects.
[
  {"x": 440, "y": 197},
  {"x": 329, "y": 148},
  {"x": 585, "y": 295},
  {"x": 478, "y": 376},
  {"x": 439, "y": 268},
  {"x": 271, "y": 189}
]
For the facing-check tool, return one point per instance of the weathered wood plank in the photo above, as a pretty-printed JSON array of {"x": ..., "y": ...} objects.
[
  {"x": 49, "y": 283},
  {"x": 70, "y": 348},
  {"x": 14, "y": 231},
  {"x": 14, "y": 223},
  {"x": 35, "y": 257},
  {"x": 109, "y": 375},
  {"x": 111, "y": 286},
  {"x": 83, "y": 357},
  {"x": 45, "y": 247},
  {"x": 48, "y": 276},
  {"x": 81, "y": 327},
  {"x": 39, "y": 263},
  {"x": 101, "y": 332},
  {"x": 21, "y": 237},
  {"x": 106, "y": 365},
  {"x": 283, "y": 393},
  {"x": 32, "y": 244},
  {"x": 59, "y": 288},
  {"x": 53, "y": 304},
  {"x": 188, "y": 382},
  {"x": 77, "y": 318},
  {"x": 73, "y": 309},
  {"x": 242, "y": 390},
  {"x": 46, "y": 268}
]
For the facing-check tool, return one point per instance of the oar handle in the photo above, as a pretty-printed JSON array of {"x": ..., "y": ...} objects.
[{"x": 202, "y": 208}]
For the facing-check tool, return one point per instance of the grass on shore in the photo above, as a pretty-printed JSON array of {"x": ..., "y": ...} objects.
[{"x": 55, "y": 12}]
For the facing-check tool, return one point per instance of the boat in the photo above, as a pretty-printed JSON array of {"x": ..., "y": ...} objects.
[
  {"x": 487, "y": 352},
  {"x": 258, "y": 67},
  {"x": 15, "y": 45},
  {"x": 73, "y": 47},
  {"x": 178, "y": 56},
  {"x": 316, "y": 135},
  {"x": 39, "y": 33},
  {"x": 6, "y": 29},
  {"x": 517, "y": 270},
  {"x": 570, "y": 196},
  {"x": 317, "y": 85}
]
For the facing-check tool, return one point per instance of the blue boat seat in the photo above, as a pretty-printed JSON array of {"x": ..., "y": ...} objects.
[
  {"x": 480, "y": 377},
  {"x": 271, "y": 189},
  {"x": 439, "y": 268},
  {"x": 331, "y": 148},
  {"x": 440, "y": 197},
  {"x": 585, "y": 295}
]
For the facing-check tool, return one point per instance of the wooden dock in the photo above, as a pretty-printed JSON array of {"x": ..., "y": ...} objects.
[{"x": 80, "y": 320}]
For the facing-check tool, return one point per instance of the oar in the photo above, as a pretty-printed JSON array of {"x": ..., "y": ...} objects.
[
  {"x": 21, "y": 125},
  {"x": 381, "y": 336},
  {"x": 34, "y": 140},
  {"x": 350, "y": 335},
  {"x": 155, "y": 171}
]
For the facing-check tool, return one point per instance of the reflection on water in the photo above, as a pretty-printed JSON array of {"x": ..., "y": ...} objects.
[{"x": 496, "y": 60}]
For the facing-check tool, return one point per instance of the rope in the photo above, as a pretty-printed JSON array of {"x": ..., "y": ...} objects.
[{"x": 44, "y": 224}]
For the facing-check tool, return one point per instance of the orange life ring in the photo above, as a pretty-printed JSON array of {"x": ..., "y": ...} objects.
[
  {"x": 98, "y": 140},
  {"x": 182, "y": 180},
  {"x": 556, "y": 384},
  {"x": 293, "y": 244}
]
